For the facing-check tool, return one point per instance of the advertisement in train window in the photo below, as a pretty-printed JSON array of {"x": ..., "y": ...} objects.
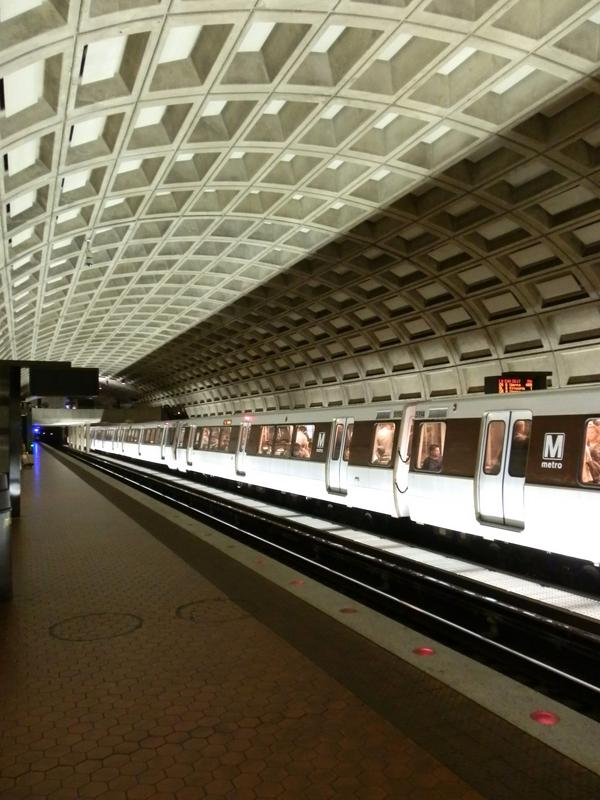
[
  {"x": 303, "y": 440},
  {"x": 383, "y": 443},
  {"x": 590, "y": 466}
]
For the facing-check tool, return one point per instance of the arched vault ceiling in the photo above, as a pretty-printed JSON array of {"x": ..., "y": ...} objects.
[{"x": 429, "y": 167}]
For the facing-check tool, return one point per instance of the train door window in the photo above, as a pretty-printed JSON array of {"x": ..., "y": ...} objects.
[
  {"x": 181, "y": 437},
  {"x": 337, "y": 441},
  {"x": 267, "y": 436},
  {"x": 590, "y": 464},
  {"x": 303, "y": 441},
  {"x": 282, "y": 445},
  {"x": 432, "y": 436},
  {"x": 494, "y": 444},
  {"x": 198, "y": 438},
  {"x": 383, "y": 441},
  {"x": 170, "y": 436},
  {"x": 213, "y": 439},
  {"x": 348, "y": 442},
  {"x": 205, "y": 439},
  {"x": 224, "y": 439},
  {"x": 244, "y": 431},
  {"x": 519, "y": 448}
]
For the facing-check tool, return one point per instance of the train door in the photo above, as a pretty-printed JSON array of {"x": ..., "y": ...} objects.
[
  {"x": 337, "y": 462},
  {"x": 240, "y": 453},
  {"x": 402, "y": 464},
  {"x": 501, "y": 475},
  {"x": 164, "y": 443},
  {"x": 191, "y": 436}
]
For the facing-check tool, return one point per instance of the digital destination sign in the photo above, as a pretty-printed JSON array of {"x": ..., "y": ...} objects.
[{"x": 511, "y": 382}]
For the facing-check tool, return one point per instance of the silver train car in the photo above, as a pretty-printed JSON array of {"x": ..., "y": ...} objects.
[{"x": 521, "y": 468}]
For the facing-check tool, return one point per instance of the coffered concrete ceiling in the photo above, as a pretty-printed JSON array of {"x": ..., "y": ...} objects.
[{"x": 391, "y": 198}]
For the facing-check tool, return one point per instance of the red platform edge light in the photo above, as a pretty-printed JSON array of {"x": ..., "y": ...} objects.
[
  {"x": 424, "y": 651},
  {"x": 348, "y": 610},
  {"x": 545, "y": 717},
  {"x": 297, "y": 582}
]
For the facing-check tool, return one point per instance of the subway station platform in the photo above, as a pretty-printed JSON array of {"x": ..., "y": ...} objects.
[{"x": 142, "y": 662}]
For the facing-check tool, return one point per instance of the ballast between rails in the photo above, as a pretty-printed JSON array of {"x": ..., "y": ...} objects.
[{"x": 527, "y": 641}]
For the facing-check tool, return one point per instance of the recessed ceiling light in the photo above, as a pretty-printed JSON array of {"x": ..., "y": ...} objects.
[
  {"x": 380, "y": 174},
  {"x": 332, "y": 111},
  {"x": 457, "y": 59},
  {"x": 23, "y": 156},
  {"x": 67, "y": 215},
  {"x": 237, "y": 154},
  {"x": 297, "y": 196},
  {"x": 76, "y": 180},
  {"x": 213, "y": 108},
  {"x": 23, "y": 88},
  {"x": 22, "y": 203},
  {"x": 387, "y": 118},
  {"x": 87, "y": 131},
  {"x": 274, "y": 106},
  {"x": 288, "y": 156},
  {"x": 335, "y": 164},
  {"x": 435, "y": 134},
  {"x": 338, "y": 204},
  {"x": 14, "y": 8},
  {"x": 103, "y": 59},
  {"x": 150, "y": 115},
  {"x": 394, "y": 46},
  {"x": 185, "y": 157},
  {"x": 512, "y": 79},
  {"x": 179, "y": 43},
  {"x": 129, "y": 165},
  {"x": 328, "y": 38},
  {"x": 595, "y": 17},
  {"x": 255, "y": 37}
]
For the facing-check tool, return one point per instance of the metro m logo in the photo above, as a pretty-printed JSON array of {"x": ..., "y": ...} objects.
[{"x": 554, "y": 446}]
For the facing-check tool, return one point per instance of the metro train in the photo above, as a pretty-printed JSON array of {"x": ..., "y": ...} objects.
[{"x": 520, "y": 468}]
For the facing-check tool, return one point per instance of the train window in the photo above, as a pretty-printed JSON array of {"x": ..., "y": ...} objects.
[
  {"x": 170, "y": 436},
  {"x": 432, "y": 436},
  {"x": 244, "y": 431},
  {"x": 213, "y": 439},
  {"x": 337, "y": 441},
  {"x": 181, "y": 437},
  {"x": 494, "y": 444},
  {"x": 590, "y": 464},
  {"x": 519, "y": 448},
  {"x": 282, "y": 444},
  {"x": 348, "y": 442},
  {"x": 303, "y": 441},
  {"x": 198, "y": 438},
  {"x": 205, "y": 439},
  {"x": 383, "y": 443},
  {"x": 224, "y": 439},
  {"x": 267, "y": 436}
]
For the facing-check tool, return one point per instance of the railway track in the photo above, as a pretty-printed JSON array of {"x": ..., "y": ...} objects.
[{"x": 549, "y": 649}]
